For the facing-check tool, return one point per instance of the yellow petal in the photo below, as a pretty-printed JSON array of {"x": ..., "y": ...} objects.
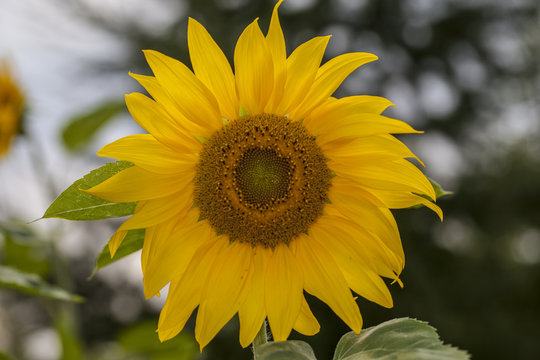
[
  {"x": 189, "y": 94},
  {"x": 182, "y": 241},
  {"x": 306, "y": 323},
  {"x": 324, "y": 279},
  {"x": 378, "y": 148},
  {"x": 329, "y": 77},
  {"x": 254, "y": 69},
  {"x": 146, "y": 152},
  {"x": 276, "y": 43},
  {"x": 363, "y": 246},
  {"x": 155, "y": 211},
  {"x": 221, "y": 298},
  {"x": 397, "y": 175},
  {"x": 350, "y": 203},
  {"x": 212, "y": 68},
  {"x": 153, "y": 235},
  {"x": 135, "y": 184},
  {"x": 302, "y": 68},
  {"x": 116, "y": 240},
  {"x": 342, "y": 187},
  {"x": 185, "y": 295},
  {"x": 168, "y": 106},
  {"x": 360, "y": 275},
  {"x": 252, "y": 312},
  {"x": 283, "y": 292},
  {"x": 359, "y": 125},
  {"x": 401, "y": 199},
  {"x": 151, "y": 116},
  {"x": 325, "y": 114}
]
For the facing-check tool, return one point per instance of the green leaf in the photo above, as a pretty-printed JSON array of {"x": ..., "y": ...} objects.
[
  {"x": 24, "y": 249},
  {"x": 141, "y": 338},
  {"x": 65, "y": 325},
  {"x": 397, "y": 339},
  {"x": 285, "y": 350},
  {"x": 74, "y": 204},
  {"x": 131, "y": 243},
  {"x": 439, "y": 191},
  {"x": 80, "y": 129},
  {"x": 34, "y": 285}
]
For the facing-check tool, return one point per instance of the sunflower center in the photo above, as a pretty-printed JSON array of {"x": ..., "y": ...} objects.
[
  {"x": 262, "y": 176},
  {"x": 262, "y": 179}
]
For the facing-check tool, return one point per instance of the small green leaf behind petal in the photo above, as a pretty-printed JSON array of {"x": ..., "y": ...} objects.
[
  {"x": 397, "y": 339},
  {"x": 285, "y": 350},
  {"x": 439, "y": 191},
  {"x": 80, "y": 129},
  {"x": 242, "y": 111},
  {"x": 131, "y": 243},
  {"x": 34, "y": 285},
  {"x": 74, "y": 204}
]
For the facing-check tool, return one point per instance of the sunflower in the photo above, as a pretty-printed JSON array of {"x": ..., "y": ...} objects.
[
  {"x": 256, "y": 185},
  {"x": 11, "y": 106}
]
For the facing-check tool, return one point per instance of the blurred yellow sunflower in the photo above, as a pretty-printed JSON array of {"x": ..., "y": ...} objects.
[
  {"x": 11, "y": 107},
  {"x": 256, "y": 185}
]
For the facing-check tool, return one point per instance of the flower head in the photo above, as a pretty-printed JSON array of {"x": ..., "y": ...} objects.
[
  {"x": 11, "y": 107},
  {"x": 256, "y": 185}
]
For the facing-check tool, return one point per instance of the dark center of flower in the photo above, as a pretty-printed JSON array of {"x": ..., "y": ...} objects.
[{"x": 261, "y": 179}]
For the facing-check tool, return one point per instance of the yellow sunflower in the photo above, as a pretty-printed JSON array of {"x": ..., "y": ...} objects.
[
  {"x": 11, "y": 107},
  {"x": 256, "y": 185}
]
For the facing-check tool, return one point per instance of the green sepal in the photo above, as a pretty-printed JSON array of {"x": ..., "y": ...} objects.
[
  {"x": 201, "y": 139},
  {"x": 242, "y": 111},
  {"x": 74, "y": 204},
  {"x": 439, "y": 191}
]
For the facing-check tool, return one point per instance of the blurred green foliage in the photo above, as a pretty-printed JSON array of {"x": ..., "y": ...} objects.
[
  {"x": 24, "y": 250},
  {"x": 140, "y": 339},
  {"x": 81, "y": 129}
]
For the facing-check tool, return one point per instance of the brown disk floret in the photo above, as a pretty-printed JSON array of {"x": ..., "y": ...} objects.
[{"x": 262, "y": 179}]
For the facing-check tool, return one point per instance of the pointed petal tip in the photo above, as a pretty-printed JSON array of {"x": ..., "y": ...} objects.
[
  {"x": 398, "y": 280},
  {"x": 202, "y": 342},
  {"x": 161, "y": 335},
  {"x": 193, "y": 22},
  {"x": 244, "y": 344},
  {"x": 149, "y": 53},
  {"x": 88, "y": 191},
  {"x": 112, "y": 250},
  {"x": 148, "y": 294}
]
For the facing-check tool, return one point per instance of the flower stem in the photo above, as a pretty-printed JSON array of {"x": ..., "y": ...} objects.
[{"x": 260, "y": 339}]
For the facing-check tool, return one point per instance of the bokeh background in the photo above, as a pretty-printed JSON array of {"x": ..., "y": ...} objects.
[{"x": 465, "y": 71}]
